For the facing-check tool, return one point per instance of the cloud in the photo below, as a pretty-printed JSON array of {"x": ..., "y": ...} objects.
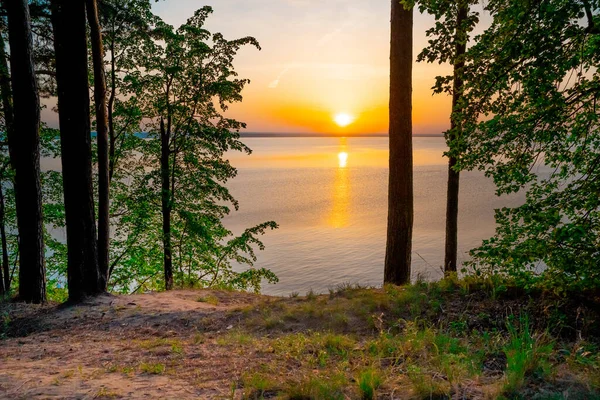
[
  {"x": 325, "y": 39},
  {"x": 275, "y": 83}
]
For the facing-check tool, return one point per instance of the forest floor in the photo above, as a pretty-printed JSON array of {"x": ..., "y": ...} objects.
[{"x": 442, "y": 340}]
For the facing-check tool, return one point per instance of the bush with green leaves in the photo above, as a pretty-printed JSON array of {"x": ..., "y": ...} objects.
[{"x": 531, "y": 122}]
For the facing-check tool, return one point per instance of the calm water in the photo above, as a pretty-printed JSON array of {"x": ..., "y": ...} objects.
[{"x": 329, "y": 196}]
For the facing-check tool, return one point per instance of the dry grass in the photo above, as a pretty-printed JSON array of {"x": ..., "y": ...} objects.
[{"x": 445, "y": 340}]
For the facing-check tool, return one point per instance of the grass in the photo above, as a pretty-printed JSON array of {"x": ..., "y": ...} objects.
[
  {"x": 526, "y": 354},
  {"x": 441, "y": 340},
  {"x": 369, "y": 380},
  {"x": 450, "y": 339}
]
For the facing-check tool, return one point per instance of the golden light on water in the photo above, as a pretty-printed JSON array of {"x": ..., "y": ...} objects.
[
  {"x": 343, "y": 119},
  {"x": 342, "y": 159},
  {"x": 340, "y": 206}
]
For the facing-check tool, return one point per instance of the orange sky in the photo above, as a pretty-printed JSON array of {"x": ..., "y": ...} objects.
[{"x": 318, "y": 59}]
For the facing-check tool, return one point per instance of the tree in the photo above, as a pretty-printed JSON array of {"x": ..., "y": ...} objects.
[
  {"x": 68, "y": 20},
  {"x": 7, "y": 178},
  {"x": 532, "y": 124},
  {"x": 400, "y": 195},
  {"x": 184, "y": 82},
  {"x": 23, "y": 136},
  {"x": 449, "y": 45},
  {"x": 102, "y": 138}
]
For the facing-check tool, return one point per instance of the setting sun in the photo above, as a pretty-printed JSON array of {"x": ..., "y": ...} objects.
[{"x": 343, "y": 119}]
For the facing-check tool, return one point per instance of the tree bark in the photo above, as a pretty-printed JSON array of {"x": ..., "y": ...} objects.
[
  {"x": 24, "y": 136},
  {"x": 5, "y": 92},
  {"x": 5, "y": 261},
  {"x": 111, "y": 106},
  {"x": 451, "y": 246},
  {"x": 166, "y": 204},
  {"x": 400, "y": 195},
  {"x": 102, "y": 139},
  {"x": 68, "y": 20}
]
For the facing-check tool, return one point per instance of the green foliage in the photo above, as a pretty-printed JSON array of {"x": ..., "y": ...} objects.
[
  {"x": 531, "y": 123},
  {"x": 179, "y": 82},
  {"x": 142, "y": 54}
]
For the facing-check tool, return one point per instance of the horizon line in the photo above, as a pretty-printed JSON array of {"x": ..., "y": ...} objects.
[{"x": 316, "y": 135}]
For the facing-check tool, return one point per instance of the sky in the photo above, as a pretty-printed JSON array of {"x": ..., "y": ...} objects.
[{"x": 319, "y": 59}]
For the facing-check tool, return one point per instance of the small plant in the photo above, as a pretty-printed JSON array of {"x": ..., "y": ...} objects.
[
  {"x": 525, "y": 354},
  {"x": 176, "y": 347},
  {"x": 105, "y": 393},
  {"x": 257, "y": 386},
  {"x": 326, "y": 387},
  {"x": 273, "y": 323},
  {"x": 210, "y": 299},
  {"x": 154, "y": 369},
  {"x": 235, "y": 338},
  {"x": 424, "y": 385},
  {"x": 198, "y": 338},
  {"x": 369, "y": 381}
]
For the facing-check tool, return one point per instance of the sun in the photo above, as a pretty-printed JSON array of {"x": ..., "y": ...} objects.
[{"x": 343, "y": 119}]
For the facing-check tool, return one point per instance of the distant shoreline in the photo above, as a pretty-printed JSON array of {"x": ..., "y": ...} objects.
[{"x": 323, "y": 135}]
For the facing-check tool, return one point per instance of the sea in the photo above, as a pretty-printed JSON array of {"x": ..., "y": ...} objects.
[{"x": 329, "y": 197}]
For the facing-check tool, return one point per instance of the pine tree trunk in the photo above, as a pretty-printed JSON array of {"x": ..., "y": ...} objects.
[
  {"x": 111, "y": 106},
  {"x": 24, "y": 136},
  {"x": 5, "y": 262},
  {"x": 102, "y": 138},
  {"x": 450, "y": 259},
  {"x": 5, "y": 92},
  {"x": 400, "y": 195},
  {"x": 166, "y": 204},
  {"x": 68, "y": 20}
]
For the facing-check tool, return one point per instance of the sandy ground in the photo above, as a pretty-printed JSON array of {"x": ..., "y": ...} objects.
[
  {"x": 107, "y": 347},
  {"x": 222, "y": 345}
]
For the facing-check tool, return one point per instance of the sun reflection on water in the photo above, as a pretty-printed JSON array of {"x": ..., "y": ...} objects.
[
  {"x": 340, "y": 206},
  {"x": 343, "y": 159}
]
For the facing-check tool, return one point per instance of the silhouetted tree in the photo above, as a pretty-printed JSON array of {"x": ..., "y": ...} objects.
[
  {"x": 400, "y": 195},
  {"x": 102, "y": 138},
  {"x": 68, "y": 20},
  {"x": 460, "y": 47},
  {"x": 23, "y": 136}
]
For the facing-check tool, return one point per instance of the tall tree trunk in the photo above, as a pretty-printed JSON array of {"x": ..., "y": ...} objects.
[
  {"x": 68, "y": 20},
  {"x": 5, "y": 93},
  {"x": 111, "y": 106},
  {"x": 166, "y": 204},
  {"x": 25, "y": 143},
  {"x": 450, "y": 259},
  {"x": 400, "y": 195},
  {"x": 5, "y": 261},
  {"x": 102, "y": 138}
]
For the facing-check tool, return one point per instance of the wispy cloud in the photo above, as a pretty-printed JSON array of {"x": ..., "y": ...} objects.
[
  {"x": 325, "y": 39},
  {"x": 275, "y": 83}
]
